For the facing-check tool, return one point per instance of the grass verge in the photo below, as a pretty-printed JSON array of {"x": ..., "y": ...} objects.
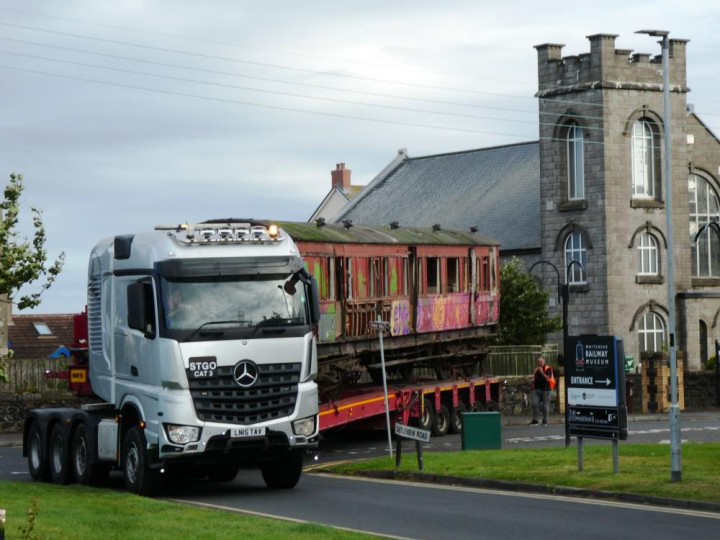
[
  {"x": 78, "y": 512},
  {"x": 643, "y": 469}
]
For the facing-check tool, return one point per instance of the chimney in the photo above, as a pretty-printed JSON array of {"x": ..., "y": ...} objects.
[{"x": 340, "y": 176}]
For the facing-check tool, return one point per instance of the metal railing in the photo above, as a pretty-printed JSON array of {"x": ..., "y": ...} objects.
[{"x": 518, "y": 360}]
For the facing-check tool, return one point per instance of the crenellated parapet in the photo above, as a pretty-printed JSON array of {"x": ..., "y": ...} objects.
[{"x": 607, "y": 67}]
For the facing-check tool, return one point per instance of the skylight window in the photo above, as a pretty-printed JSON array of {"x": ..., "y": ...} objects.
[{"x": 42, "y": 329}]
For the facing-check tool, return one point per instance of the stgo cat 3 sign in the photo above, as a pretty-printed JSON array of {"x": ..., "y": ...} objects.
[{"x": 595, "y": 382}]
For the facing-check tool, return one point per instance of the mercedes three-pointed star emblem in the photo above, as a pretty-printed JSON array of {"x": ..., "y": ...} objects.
[{"x": 246, "y": 373}]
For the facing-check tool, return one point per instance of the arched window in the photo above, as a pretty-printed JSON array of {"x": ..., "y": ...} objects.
[
  {"x": 651, "y": 332},
  {"x": 645, "y": 159},
  {"x": 575, "y": 162},
  {"x": 704, "y": 208},
  {"x": 575, "y": 251},
  {"x": 647, "y": 255}
]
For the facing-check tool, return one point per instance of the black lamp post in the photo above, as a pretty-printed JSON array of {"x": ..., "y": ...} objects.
[{"x": 564, "y": 294}]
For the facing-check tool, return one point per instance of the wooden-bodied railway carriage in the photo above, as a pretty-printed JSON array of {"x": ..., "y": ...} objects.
[{"x": 438, "y": 289}]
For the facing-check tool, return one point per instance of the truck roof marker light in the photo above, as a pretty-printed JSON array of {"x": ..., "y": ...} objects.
[
  {"x": 226, "y": 234},
  {"x": 273, "y": 232}
]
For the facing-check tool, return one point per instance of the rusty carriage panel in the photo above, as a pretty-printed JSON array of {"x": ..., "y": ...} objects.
[{"x": 437, "y": 289}]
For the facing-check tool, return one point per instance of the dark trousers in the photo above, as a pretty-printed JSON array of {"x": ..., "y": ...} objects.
[{"x": 541, "y": 397}]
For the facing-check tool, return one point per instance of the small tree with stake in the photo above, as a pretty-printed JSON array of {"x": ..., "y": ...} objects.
[{"x": 21, "y": 262}]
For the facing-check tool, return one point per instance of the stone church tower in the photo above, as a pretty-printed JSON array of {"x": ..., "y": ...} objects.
[{"x": 603, "y": 198}]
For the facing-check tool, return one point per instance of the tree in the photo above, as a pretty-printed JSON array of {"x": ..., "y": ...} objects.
[
  {"x": 21, "y": 262},
  {"x": 524, "y": 317}
]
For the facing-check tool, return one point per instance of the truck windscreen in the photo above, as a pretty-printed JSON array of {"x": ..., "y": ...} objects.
[{"x": 232, "y": 307}]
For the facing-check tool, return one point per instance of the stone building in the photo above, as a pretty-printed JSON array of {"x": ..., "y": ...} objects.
[
  {"x": 596, "y": 194},
  {"x": 603, "y": 202}
]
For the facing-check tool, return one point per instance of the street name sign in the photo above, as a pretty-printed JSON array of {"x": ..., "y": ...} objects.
[{"x": 413, "y": 433}]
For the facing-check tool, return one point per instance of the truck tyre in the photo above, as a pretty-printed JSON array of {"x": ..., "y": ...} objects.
[
  {"x": 427, "y": 418},
  {"x": 59, "y": 456},
  {"x": 442, "y": 421},
  {"x": 282, "y": 473},
  {"x": 492, "y": 406},
  {"x": 37, "y": 457},
  {"x": 85, "y": 471},
  {"x": 456, "y": 417},
  {"x": 139, "y": 477}
]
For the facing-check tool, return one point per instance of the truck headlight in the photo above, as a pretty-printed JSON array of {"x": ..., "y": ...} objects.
[
  {"x": 182, "y": 434},
  {"x": 304, "y": 427}
]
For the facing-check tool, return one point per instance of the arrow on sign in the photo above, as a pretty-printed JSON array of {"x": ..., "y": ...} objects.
[{"x": 606, "y": 381}]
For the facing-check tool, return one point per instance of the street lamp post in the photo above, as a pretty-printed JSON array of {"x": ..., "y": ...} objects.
[
  {"x": 675, "y": 441},
  {"x": 564, "y": 293}
]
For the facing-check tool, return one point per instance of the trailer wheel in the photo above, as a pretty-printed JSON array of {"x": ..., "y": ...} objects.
[
  {"x": 282, "y": 473},
  {"x": 477, "y": 407},
  {"x": 86, "y": 472},
  {"x": 442, "y": 421},
  {"x": 456, "y": 418},
  {"x": 37, "y": 457},
  {"x": 492, "y": 406},
  {"x": 59, "y": 456},
  {"x": 427, "y": 419},
  {"x": 139, "y": 477}
]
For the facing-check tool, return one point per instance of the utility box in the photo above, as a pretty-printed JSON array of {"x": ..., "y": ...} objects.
[{"x": 481, "y": 431}]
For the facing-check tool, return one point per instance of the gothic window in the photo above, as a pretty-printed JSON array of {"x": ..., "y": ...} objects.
[
  {"x": 645, "y": 159},
  {"x": 575, "y": 251},
  {"x": 575, "y": 162},
  {"x": 704, "y": 209},
  {"x": 651, "y": 332},
  {"x": 647, "y": 255}
]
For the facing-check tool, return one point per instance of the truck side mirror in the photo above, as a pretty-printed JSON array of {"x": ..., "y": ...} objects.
[
  {"x": 314, "y": 300},
  {"x": 141, "y": 315}
]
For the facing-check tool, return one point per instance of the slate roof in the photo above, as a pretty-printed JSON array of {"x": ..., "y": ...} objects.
[
  {"x": 27, "y": 343},
  {"x": 494, "y": 189}
]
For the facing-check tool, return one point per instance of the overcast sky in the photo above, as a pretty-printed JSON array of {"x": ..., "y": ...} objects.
[{"x": 126, "y": 114}]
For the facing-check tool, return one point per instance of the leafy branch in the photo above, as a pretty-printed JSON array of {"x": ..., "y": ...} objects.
[{"x": 21, "y": 261}]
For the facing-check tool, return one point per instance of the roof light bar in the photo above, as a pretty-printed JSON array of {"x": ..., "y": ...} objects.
[{"x": 213, "y": 233}]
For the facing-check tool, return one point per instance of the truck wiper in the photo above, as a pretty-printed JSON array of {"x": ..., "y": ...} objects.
[{"x": 198, "y": 330}]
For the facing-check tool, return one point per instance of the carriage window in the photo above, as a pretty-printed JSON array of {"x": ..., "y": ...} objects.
[
  {"x": 405, "y": 274},
  {"x": 493, "y": 284},
  {"x": 349, "y": 287},
  {"x": 485, "y": 274},
  {"x": 377, "y": 271},
  {"x": 453, "y": 274},
  {"x": 433, "y": 275}
]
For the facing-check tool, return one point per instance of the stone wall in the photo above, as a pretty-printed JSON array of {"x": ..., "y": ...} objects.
[{"x": 13, "y": 407}]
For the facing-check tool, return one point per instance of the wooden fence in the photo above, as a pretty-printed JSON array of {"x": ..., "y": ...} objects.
[
  {"x": 28, "y": 375},
  {"x": 512, "y": 360}
]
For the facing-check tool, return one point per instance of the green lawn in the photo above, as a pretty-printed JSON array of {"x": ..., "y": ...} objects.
[
  {"x": 77, "y": 512},
  {"x": 643, "y": 469}
]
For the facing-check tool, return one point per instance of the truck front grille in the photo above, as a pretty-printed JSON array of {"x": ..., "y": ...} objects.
[{"x": 221, "y": 399}]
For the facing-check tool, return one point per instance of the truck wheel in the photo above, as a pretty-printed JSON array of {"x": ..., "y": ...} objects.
[
  {"x": 492, "y": 406},
  {"x": 85, "y": 471},
  {"x": 223, "y": 473},
  {"x": 283, "y": 473},
  {"x": 456, "y": 417},
  {"x": 442, "y": 421},
  {"x": 37, "y": 457},
  {"x": 139, "y": 477},
  {"x": 59, "y": 456},
  {"x": 427, "y": 419}
]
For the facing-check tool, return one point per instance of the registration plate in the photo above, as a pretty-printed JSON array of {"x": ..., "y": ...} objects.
[{"x": 247, "y": 432}]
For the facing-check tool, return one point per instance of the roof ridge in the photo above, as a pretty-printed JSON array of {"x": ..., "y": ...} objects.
[{"x": 459, "y": 152}]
